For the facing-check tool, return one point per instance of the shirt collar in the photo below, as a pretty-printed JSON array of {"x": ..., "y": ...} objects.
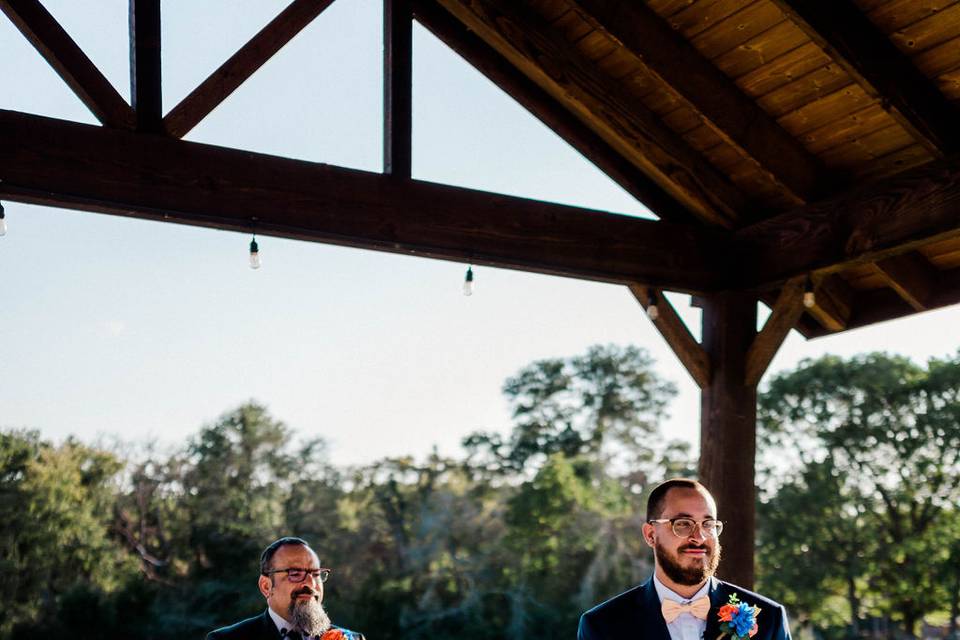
[
  {"x": 668, "y": 593},
  {"x": 282, "y": 624}
]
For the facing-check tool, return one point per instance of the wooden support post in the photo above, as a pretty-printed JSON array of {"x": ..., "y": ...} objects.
[
  {"x": 145, "y": 82},
  {"x": 728, "y": 439},
  {"x": 397, "y": 87}
]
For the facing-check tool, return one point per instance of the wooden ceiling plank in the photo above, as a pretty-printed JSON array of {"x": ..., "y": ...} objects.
[
  {"x": 761, "y": 50},
  {"x": 876, "y": 64},
  {"x": 241, "y": 65},
  {"x": 58, "y": 163},
  {"x": 911, "y": 276},
  {"x": 868, "y": 223},
  {"x": 693, "y": 357},
  {"x": 70, "y": 62},
  {"x": 146, "y": 93},
  {"x": 784, "y": 315},
  {"x": 782, "y": 70},
  {"x": 616, "y": 114},
  {"x": 543, "y": 106},
  {"x": 736, "y": 117},
  {"x": 397, "y": 88}
]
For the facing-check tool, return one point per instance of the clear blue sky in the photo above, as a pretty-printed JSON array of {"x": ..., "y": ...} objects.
[{"x": 116, "y": 327}]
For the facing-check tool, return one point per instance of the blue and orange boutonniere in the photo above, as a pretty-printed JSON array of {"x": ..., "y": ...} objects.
[{"x": 738, "y": 619}]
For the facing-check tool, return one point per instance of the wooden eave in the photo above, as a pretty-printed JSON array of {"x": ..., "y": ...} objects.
[{"x": 780, "y": 142}]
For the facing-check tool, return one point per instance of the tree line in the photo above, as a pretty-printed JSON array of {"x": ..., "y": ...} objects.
[{"x": 858, "y": 520}]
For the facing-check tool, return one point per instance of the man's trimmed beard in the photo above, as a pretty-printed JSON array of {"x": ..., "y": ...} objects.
[
  {"x": 308, "y": 616},
  {"x": 688, "y": 576}
]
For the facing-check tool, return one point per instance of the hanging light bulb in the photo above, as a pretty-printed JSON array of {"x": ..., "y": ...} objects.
[
  {"x": 652, "y": 311},
  {"x": 468, "y": 282},
  {"x": 3, "y": 221},
  {"x": 809, "y": 297},
  {"x": 254, "y": 254}
]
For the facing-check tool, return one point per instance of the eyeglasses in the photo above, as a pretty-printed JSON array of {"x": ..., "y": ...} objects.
[
  {"x": 685, "y": 527},
  {"x": 296, "y": 574}
]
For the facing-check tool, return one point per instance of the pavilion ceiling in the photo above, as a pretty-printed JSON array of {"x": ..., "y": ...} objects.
[
  {"x": 778, "y": 141},
  {"x": 783, "y": 120}
]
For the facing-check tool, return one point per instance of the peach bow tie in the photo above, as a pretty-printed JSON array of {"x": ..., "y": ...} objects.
[{"x": 698, "y": 608}]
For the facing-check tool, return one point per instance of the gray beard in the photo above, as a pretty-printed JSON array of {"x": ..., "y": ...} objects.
[{"x": 309, "y": 617}]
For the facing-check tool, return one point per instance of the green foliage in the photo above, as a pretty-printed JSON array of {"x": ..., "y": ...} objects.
[
  {"x": 865, "y": 461},
  {"x": 55, "y": 515},
  {"x": 858, "y": 517}
]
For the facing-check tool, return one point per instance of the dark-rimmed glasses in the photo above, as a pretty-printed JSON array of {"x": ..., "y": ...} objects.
[
  {"x": 298, "y": 574},
  {"x": 685, "y": 527}
]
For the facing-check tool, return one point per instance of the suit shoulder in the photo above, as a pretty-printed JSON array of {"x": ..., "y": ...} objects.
[
  {"x": 250, "y": 628},
  {"x": 615, "y": 606}
]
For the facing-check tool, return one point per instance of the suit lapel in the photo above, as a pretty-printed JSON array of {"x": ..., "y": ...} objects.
[
  {"x": 652, "y": 623},
  {"x": 719, "y": 593}
]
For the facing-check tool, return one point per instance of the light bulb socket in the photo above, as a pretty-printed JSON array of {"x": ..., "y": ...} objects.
[
  {"x": 2, "y": 215},
  {"x": 254, "y": 248},
  {"x": 469, "y": 276}
]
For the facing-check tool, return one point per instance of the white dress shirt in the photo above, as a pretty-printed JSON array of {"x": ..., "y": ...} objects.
[
  {"x": 687, "y": 626},
  {"x": 283, "y": 627}
]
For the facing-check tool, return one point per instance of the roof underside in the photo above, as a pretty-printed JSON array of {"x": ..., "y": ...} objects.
[{"x": 777, "y": 140}]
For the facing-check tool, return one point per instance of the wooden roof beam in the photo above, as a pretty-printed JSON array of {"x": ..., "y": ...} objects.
[
  {"x": 736, "y": 118},
  {"x": 786, "y": 311},
  {"x": 524, "y": 38},
  {"x": 833, "y": 303},
  {"x": 240, "y": 66},
  {"x": 397, "y": 88},
  {"x": 58, "y": 163},
  {"x": 70, "y": 62},
  {"x": 691, "y": 355},
  {"x": 866, "y": 224},
  {"x": 145, "y": 76},
  {"x": 548, "y": 110},
  {"x": 841, "y": 29},
  {"x": 911, "y": 276}
]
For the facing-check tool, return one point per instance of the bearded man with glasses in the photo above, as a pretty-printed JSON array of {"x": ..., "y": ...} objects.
[
  {"x": 683, "y": 600},
  {"x": 291, "y": 580}
]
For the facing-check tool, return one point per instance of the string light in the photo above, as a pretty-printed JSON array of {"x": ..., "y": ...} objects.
[
  {"x": 652, "y": 311},
  {"x": 809, "y": 297},
  {"x": 254, "y": 254},
  {"x": 3, "y": 221},
  {"x": 468, "y": 282}
]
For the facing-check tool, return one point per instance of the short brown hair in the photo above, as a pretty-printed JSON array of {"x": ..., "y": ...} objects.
[{"x": 659, "y": 494}]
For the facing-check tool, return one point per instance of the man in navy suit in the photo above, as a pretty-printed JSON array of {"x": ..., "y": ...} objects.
[
  {"x": 682, "y": 600},
  {"x": 291, "y": 580}
]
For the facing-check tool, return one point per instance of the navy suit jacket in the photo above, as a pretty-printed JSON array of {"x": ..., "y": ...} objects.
[
  {"x": 635, "y": 615},
  {"x": 261, "y": 627}
]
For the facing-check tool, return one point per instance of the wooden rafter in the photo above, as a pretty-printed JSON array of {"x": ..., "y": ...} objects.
[
  {"x": 866, "y": 224},
  {"x": 548, "y": 110},
  {"x": 145, "y": 77},
  {"x": 241, "y": 65},
  {"x": 624, "y": 121},
  {"x": 784, "y": 315},
  {"x": 833, "y": 303},
  {"x": 52, "y": 162},
  {"x": 911, "y": 276},
  {"x": 881, "y": 305},
  {"x": 675, "y": 332},
  {"x": 397, "y": 87},
  {"x": 70, "y": 62},
  {"x": 848, "y": 36},
  {"x": 727, "y": 110}
]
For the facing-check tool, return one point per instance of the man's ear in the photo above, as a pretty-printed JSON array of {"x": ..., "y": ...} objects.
[
  {"x": 649, "y": 534},
  {"x": 266, "y": 586}
]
